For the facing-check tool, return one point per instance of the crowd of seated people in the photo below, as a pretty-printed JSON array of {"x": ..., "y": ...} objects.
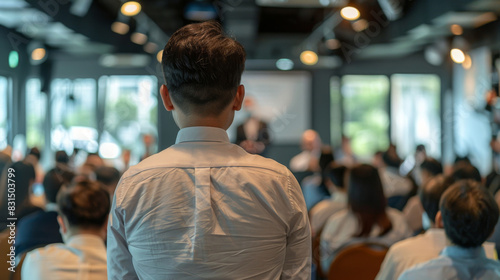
[
  {"x": 71, "y": 196},
  {"x": 358, "y": 209},
  {"x": 350, "y": 206}
]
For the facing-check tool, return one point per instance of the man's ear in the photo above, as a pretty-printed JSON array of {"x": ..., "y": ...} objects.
[
  {"x": 439, "y": 220},
  {"x": 165, "y": 96},
  {"x": 238, "y": 100},
  {"x": 63, "y": 229}
]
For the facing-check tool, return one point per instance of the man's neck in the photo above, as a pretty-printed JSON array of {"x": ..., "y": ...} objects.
[{"x": 76, "y": 231}]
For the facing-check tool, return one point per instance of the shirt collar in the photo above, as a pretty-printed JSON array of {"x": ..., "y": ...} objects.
[
  {"x": 201, "y": 134},
  {"x": 464, "y": 253},
  {"x": 85, "y": 240}
]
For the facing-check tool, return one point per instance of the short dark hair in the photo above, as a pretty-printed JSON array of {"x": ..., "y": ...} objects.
[
  {"x": 35, "y": 152},
  {"x": 62, "y": 157},
  {"x": 53, "y": 181},
  {"x": 466, "y": 171},
  {"x": 469, "y": 213},
  {"x": 432, "y": 166},
  {"x": 85, "y": 204},
  {"x": 431, "y": 193},
  {"x": 336, "y": 173},
  {"x": 202, "y": 68},
  {"x": 107, "y": 175}
]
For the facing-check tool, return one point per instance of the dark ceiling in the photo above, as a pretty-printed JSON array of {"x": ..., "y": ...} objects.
[{"x": 270, "y": 29}]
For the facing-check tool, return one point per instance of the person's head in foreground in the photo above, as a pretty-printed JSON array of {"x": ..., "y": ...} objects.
[
  {"x": 83, "y": 209},
  {"x": 430, "y": 196},
  {"x": 468, "y": 213},
  {"x": 366, "y": 199},
  {"x": 202, "y": 68}
]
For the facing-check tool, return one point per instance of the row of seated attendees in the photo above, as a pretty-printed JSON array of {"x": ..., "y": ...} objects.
[
  {"x": 350, "y": 205},
  {"x": 355, "y": 210}
]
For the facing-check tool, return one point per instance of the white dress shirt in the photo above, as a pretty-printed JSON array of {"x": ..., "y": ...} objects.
[
  {"x": 205, "y": 208},
  {"x": 456, "y": 263},
  {"x": 393, "y": 183},
  {"x": 83, "y": 257},
  {"x": 419, "y": 249},
  {"x": 341, "y": 227},
  {"x": 413, "y": 213},
  {"x": 324, "y": 209}
]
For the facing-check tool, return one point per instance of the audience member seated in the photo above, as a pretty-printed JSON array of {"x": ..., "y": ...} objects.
[
  {"x": 33, "y": 157},
  {"x": 413, "y": 210},
  {"x": 314, "y": 187},
  {"x": 468, "y": 213},
  {"x": 61, "y": 158},
  {"x": 411, "y": 165},
  {"x": 109, "y": 177},
  {"x": 41, "y": 228},
  {"x": 308, "y": 159},
  {"x": 367, "y": 219},
  {"x": 466, "y": 171},
  {"x": 324, "y": 209},
  {"x": 24, "y": 177},
  {"x": 344, "y": 154},
  {"x": 393, "y": 183},
  {"x": 419, "y": 249},
  {"x": 83, "y": 215}
]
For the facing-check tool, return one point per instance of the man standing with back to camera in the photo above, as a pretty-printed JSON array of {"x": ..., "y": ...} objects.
[{"x": 204, "y": 208}]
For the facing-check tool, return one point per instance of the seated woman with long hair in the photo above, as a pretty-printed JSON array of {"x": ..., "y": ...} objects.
[{"x": 367, "y": 219}]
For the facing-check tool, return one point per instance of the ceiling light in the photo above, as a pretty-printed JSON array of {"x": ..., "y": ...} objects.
[
  {"x": 360, "y": 25},
  {"x": 309, "y": 57},
  {"x": 456, "y": 29},
  {"x": 457, "y": 55},
  {"x": 332, "y": 44},
  {"x": 467, "y": 64},
  {"x": 120, "y": 27},
  {"x": 139, "y": 38},
  {"x": 350, "y": 13},
  {"x": 38, "y": 54},
  {"x": 159, "y": 56},
  {"x": 284, "y": 64},
  {"x": 130, "y": 8},
  {"x": 13, "y": 59}
]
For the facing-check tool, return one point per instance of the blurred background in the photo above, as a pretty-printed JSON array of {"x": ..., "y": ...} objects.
[{"x": 83, "y": 76}]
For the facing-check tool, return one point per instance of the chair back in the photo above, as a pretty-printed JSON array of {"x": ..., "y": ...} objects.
[{"x": 359, "y": 261}]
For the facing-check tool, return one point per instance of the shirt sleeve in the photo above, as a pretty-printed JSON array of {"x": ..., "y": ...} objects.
[
  {"x": 119, "y": 259},
  {"x": 387, "y": 268},
  {"x": 298, "y": 249},
  {"x": 29, "y": 270}
]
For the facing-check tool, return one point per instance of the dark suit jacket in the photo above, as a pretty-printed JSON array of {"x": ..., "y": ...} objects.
[{"x": 37, "y": 230}]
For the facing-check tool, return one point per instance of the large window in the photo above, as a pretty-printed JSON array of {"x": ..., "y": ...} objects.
[
  {"x": 415, "y": 113},
  {"x": 4, "y": 88},
  {"x": 36, "y": 103},
  {"x": 365, "y": 113},
  {"x": 130, "y": 116},
  {"x": 74, "y": 115}
]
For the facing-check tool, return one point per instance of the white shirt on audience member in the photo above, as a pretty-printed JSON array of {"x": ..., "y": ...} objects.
[
  {"x": 341, "y": 227},
  {"x": 419, "y": 249},
  {"x": 324, "y": 209},
  {"x": 205, "y": 208},
  {"x": 413, "y": 211},
  {"x": 393, "y": 183},
  {"x": 83, "y": 257},
  {"x": 458, "y": 263}
]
